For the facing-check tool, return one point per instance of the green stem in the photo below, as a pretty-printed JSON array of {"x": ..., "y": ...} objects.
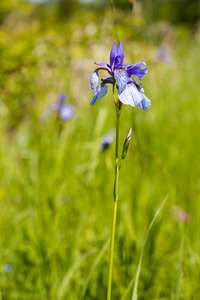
[{"x": 115, "y": 194}]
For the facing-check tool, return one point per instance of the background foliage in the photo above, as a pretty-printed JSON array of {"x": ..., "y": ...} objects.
[{"x": 56, "y": 184}]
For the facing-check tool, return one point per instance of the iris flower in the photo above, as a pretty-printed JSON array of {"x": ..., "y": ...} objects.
[
  {"x": 65, "y": 111},
  {"x": 127, "y": 78},
  {"x": 164, "y": 54}
]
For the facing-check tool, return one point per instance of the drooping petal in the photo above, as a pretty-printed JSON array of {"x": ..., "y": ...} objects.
[
  {"x": 94, "y": 81},
  {"x": 134, "y": 96},
  {"x": 102, "y": 91},
  {"x": 121, "y": 78},
  {"x": 66, "y": 112},
  {"x": 113, "y": 53},
  {"x": 131, "y": 95},
  {"x": 138, "y": 70},
  {"x": 145, "y": 103}
]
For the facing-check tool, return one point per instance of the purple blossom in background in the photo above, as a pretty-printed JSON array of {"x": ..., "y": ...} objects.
[
  {"x": 107, "y": 140},
  {"x": 126, "y": 76},
  {"x": 164, "y": 54},
  {"x": 8, "y": 268},
  {"x": 64, "y": 111},
  {"x": 180, "y": 214}
]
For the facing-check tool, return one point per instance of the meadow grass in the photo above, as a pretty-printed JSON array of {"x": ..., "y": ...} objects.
[{"x": 56, "y": 185}]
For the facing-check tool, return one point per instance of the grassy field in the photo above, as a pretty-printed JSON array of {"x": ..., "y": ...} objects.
[{"x": 56, "y": 185}]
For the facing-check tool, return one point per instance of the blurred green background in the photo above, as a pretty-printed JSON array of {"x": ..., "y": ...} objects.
[{"x": 56, "y": 184}]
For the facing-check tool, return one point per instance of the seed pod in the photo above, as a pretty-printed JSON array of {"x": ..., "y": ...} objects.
[{"x": 126, "y": 143}]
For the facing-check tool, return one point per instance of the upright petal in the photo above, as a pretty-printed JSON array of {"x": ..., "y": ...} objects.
[
  {"x": 101, "y": 92},
  {"x": 113, "y": 53},
  {"x": 121, "y": 78},
  {"x": 138, "y": 70},
  {"x": 119, "y": 58}
]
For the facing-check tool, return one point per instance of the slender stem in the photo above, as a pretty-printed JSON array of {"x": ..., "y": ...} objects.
[
  {"x": 115, "y": 195},
  {"x": 109, "y": 292}
]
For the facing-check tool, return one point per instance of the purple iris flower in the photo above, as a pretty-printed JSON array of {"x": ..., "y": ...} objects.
[
  {"x": 65, "y": 111},
  {"x": 164, "y": 54},
  {"x": 126, "y": 76}
]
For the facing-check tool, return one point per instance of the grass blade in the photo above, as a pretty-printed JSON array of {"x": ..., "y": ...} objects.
[
  {"x": 66, "y": 280},
  {"x": 137, "y": 276},
  {"x": 94, "y": 266},
  {"x": 157, "y": 213}
]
